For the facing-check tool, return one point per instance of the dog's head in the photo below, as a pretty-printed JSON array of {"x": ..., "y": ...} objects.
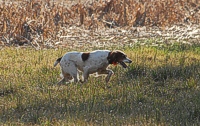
[{"x": 120, "y": 57}]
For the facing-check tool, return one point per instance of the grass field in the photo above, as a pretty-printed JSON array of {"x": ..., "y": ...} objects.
[{"x": 161, "y": 87}]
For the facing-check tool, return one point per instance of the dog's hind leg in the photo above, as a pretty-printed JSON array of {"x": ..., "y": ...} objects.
[
  {"x": 66, "y": 78},
  {"x": 85, "y": 76},
  {"x": 61, "y": 81},
  {"x": 75, "y": 76},
  {"x": 73, "y": 71}
]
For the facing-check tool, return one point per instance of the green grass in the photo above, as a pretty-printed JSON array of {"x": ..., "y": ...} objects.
[{"x": 161, "y": 87}]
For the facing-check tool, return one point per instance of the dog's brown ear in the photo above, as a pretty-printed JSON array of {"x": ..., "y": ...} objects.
[{"x": 112, "y": 57}]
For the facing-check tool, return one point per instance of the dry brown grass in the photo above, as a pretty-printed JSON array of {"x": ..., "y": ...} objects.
[{"x": 46, "y": 23}]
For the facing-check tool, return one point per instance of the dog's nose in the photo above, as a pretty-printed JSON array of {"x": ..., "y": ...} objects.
[{"x": 130, "y": 61}]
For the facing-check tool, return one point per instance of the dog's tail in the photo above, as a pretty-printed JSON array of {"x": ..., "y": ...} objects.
[{"x": 57, "y": 61}]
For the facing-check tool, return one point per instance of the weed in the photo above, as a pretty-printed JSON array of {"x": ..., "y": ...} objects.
[{"x": 161, "y": 87}]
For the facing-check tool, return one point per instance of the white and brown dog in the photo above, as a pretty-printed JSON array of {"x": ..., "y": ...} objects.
[{"x": 89, "y": 63}]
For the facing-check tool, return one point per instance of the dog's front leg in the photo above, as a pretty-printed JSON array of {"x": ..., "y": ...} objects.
[{"x": 108, "y": 72}]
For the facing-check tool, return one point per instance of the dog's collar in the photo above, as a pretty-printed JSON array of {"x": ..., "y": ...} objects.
[{"x": 115, "y": 63}]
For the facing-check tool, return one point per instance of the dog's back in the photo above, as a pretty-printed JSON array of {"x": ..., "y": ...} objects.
[
  {"x": 97, "y": 56},
  {"x": 73, "y": 56}
]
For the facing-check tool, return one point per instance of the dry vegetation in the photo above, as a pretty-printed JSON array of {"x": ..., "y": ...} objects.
[
  {"x": 161, "y": 86},
  {"x": 97, "y": 23}
]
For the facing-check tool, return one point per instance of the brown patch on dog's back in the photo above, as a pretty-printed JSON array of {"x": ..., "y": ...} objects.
[{"x": 85, "y": 56}]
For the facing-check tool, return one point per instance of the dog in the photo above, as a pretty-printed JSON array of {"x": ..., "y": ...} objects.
[{"x": 90, "y": 62}]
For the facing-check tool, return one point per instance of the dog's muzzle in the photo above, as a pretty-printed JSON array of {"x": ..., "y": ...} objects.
[{"x": 122, "y": 63}]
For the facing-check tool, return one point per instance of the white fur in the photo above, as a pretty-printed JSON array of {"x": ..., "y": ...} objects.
[
  {"x": 97, "y": 62},
  {"x": 71, "y": 62}
]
